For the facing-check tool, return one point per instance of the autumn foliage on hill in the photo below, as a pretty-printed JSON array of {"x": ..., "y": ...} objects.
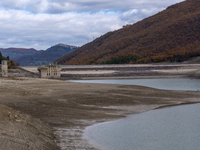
[{"x": 170, "y": 35}]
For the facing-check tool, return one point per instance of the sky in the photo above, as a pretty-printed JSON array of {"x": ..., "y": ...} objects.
[{"x": 41, "y": 24}]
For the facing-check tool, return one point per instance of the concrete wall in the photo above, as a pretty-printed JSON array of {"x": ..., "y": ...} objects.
[{"x": 50, "y": 71}]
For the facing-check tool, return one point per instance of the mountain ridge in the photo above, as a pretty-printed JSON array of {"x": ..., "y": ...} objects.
[
  {"x": 17, "y": 52},
  {"x": 32, "y": 57},
  {"x": 45, "y": 57}
]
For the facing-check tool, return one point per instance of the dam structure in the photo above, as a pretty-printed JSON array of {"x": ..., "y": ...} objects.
[{"x": 49, "y": 71}]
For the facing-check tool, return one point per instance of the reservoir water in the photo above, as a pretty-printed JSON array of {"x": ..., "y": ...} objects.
[
  {"x": 165, "y": 83},
  {"x": 172, "y": 128}
]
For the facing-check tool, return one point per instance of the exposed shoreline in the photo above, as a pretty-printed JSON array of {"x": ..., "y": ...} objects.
[{"x": 69, "y": 107}]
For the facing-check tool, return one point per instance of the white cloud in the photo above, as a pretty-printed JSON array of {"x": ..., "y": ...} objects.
[
  {"x": 46, "y": 30},
  {"x": 43, "y": 23}
]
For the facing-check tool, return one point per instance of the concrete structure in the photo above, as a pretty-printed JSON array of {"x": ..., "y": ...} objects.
[
  {"x": 50, "y": 71},
  {"x": 4, "y": 68}
]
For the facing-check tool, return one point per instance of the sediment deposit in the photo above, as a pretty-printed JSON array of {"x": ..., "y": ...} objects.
[{"x": 36, "y": 106}]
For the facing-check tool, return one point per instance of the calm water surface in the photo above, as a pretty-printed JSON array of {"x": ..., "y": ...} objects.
[
  {"x": 165, "y": 83},
  {"x": 174, "y": 128}
]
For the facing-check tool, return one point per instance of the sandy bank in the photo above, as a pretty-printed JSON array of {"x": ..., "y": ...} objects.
[
  {"x": 69, "y": 107},
  {"x": 19, "y": 131}
]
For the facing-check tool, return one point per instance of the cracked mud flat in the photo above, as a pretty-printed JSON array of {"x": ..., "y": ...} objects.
[{"x": 66, "y": 108}]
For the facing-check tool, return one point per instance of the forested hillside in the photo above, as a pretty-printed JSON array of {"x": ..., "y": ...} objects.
[{"x": 170, "y": 35}]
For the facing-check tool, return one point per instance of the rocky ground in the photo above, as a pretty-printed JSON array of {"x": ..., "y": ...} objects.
[
  {"x": 20, "y": 131},
  {"x": 52, "y": 114}
]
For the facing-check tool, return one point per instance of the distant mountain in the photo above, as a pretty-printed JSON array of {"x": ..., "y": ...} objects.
[
  {"x": 17, "y": 52},
  {"x": 170, "y": 35},
  {"x": 45, "y": 57}
]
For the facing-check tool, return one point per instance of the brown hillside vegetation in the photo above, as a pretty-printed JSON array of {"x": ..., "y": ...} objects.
[{"x": 170, "y": 35}]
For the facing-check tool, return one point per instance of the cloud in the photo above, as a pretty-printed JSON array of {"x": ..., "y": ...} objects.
[
  {"x": 48, "y": 29},
  {"x": 43, "y": 23},
  {"x": 63, "y": 6}
]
